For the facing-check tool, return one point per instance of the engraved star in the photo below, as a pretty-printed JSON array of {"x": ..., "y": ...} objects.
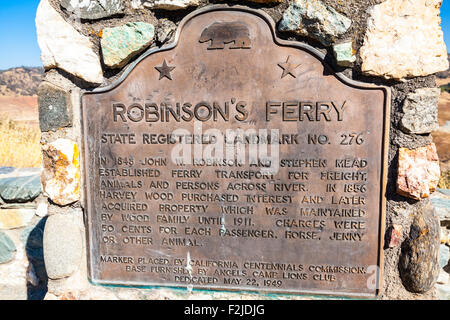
[
  {"x": 164, "y": 71},
  {"x": 288, "y": 68}
]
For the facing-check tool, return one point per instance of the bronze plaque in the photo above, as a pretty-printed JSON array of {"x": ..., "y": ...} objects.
[{"x": 234, "y": 160}]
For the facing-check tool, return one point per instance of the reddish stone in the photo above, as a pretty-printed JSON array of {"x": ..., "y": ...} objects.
[
  {"x": 418, "y": 172},
  {"x": 396, "y": 235}
]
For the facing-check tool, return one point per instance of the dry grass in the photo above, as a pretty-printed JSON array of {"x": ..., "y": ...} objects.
[
  {"x": 19, "y": 145},
  {"x": 444, "y": 181}
]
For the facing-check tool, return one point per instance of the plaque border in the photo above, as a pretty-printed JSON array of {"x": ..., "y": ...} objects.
[{"x": 281, "y": 42}]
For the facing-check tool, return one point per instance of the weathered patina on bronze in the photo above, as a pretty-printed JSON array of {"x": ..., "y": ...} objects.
[{"x": 313, "y": 225}]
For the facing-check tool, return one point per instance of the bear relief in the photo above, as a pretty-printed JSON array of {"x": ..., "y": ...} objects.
[{"x": 221, "y": 33}]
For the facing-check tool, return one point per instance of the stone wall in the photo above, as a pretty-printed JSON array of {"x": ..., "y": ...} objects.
[
  {"x": 23, "y": 211},
  {"x": 395, "y": 43}
]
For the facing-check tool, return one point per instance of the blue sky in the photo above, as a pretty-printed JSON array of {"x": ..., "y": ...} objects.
[
  {"x": 18, "y": 34},
  {"x": 445, "y": 22}
]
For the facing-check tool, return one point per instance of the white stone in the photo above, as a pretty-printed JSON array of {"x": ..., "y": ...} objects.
[
  {"x": 443, "y": 277},
  {"x": 15, "y": 218},
  {"x": 445, "y": 236},
  {"x": 61, "y": 175},
  {"x": 171, "y": 4},
  {"x": 404, "y": 39},
  {"x": 137, "y": 4},
  {"x": 63, "y": 47},
  {"x": 42, "y": 209}
]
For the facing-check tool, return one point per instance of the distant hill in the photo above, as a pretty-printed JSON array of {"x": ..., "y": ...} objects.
[
  {"x": 444, "y": 74},
  {"x": 24, "y": 81},
  {"x": 21, "y": 81}
]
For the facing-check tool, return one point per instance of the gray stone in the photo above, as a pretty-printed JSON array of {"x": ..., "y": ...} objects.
[
  {"x": 7, "y": 248},
  {"x": 419, "y": 259},
  {"x": 312, "y": 18},
  {"x": 32, "y": 278},
  {"x": 343, "y": 53},
  {"x": 54, "y": 107},
  {"x": 165, "y": 31},
  {"x": 442, "y": 205},
  {"x": 62, "y": 246},
  {"x": 93, "y": 9},
  {"x": 20, "y": 189},
  {"x": 6, "y": 170},
  {"x": 444, "y": 191},
  {"x": 420, "y": 111},
  {"x": 120, "y": 44}
]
